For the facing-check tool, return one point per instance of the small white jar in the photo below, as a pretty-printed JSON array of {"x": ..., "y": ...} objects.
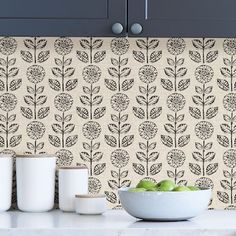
[
  {"x": 90, "y": 204},
  {"x": 72, "y": 180},
  {"x": 6, "y": 166},
  {"x": 35, "y": 176}
]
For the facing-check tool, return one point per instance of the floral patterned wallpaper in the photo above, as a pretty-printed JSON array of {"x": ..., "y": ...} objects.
[{"x": 126, "y": 108}]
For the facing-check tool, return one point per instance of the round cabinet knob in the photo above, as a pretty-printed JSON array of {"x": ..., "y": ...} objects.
[
  {"x": 117, "y": 28},
  {"x": 136, "y": 28}
]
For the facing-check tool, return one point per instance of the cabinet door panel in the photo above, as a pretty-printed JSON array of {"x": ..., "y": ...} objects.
[
  {"x": 183, "y": 18},
  {"x": 61, "y": 17}
]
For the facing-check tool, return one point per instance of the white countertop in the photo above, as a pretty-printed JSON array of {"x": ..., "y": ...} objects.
[{"x": 113, "y": 223}]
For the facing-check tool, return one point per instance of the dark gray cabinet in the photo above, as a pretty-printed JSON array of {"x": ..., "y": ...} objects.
[
  {"x": 182, "y": 18},
  {"x": 63, "y": 17}
]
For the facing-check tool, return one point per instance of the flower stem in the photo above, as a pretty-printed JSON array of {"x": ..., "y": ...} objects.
[
  {"x": 62, "y": 130},
  {"x": 91, "y": 50},
  {"x": 35, "y": 47},
  {"x": 175, "y": 132},
  {"x": 147, "y": 101},
  {"x": 231, "y": 74},
  {"x": 175, "y": 75},
  {"x": 91, "y": 158},
  {"x": 7, "y": 123},
  {"x": 119, "y": 74},
  {"x": 203, "y": 50},
  {"x": 203, "y": 158},
  {"x": 203, "y": 102},
  {"x": 147, "y": 50},
  {"x": 231, "y": 130},
  {"x": 119, "y": 130},
  {"x": 63, "y": 74},
  {"x": 231, "y": 186},
  {"x": 91, "y": 101},
  {"x": 7, "y": 67},
  {"x": 35, "y": 102},
  {"x": 147, "y": 154}
]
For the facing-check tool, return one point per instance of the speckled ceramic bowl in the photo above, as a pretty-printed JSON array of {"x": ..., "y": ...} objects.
[{"x": 165, "y": 206}]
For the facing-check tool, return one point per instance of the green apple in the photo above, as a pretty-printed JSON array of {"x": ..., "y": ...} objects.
[
  {"x": 181, "y": 189},
  {"x": 193, "y": 188},
  {"x": 153, "y": 189},
  {"x": 147, "y": 184},
  {"x": 166, "y": 185},
  {"x": 136, "y": 190}
]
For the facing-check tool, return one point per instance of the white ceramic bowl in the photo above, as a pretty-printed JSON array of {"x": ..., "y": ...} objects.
[{"x": 165, "y": 206}]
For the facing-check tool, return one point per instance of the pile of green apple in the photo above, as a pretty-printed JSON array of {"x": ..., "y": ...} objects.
[{"x": 163, "y": 186}]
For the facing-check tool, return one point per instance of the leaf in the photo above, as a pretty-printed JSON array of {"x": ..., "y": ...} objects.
[
  {"x": 152, "y": 146},
  {"x": 96, "y": 146},
  {"x": 54, "y": 140},
  {"x": 182, "y": 182},
  {"x": 113, "y": 72},
  {"x": 170, "y": 174},
  {"x": 210, "y": 100},
  {"x": 153, "y": 100},
  {"x": 210, "y": 43},
  {"x": 97, "y": 156},
  {"x": 3, "y": 62},
  {"x": 141, "y": 156},
  {"x": 195, "y": 112},
  {"x": 15, "y": 140},
  {"x": 167, "y": 140},
  {"x": 127, "y": 84},
  {"x": 225, "y": 128},
  {"x": 71, "y": 140},
  {"x": 114, "y": 118},
  {"x": 67, "y": 62},
  {"x": 169, "y": 72},
  {"x": 211, "y": 56},
  {"x": 114, "y": 174},
  {"x": 123, "y": 62},
  {"x": 183, "y": 140},
  {"x": 82, "y": 56},
  {"x": 141, "y": 44},
  {"x": 2, "y": 141},
  {"x": 127, "y": 140},
  {"x": 113, "y": 184},
  {"x": 40, "y": 146},
  {"x": 210, "y": 156},
  {"x": 197, "y": 100},
  {"x": 124, "y": 174},
  {"x": 139, "y": 168},
  {"x": 69, "y": 128},
  {"x": 153, "y": 156},
  {"x": 82, "y": 112},
  {"x": 58, "y": 118},
  {"x": 124, "y": 118},
  {"x": 2, "y": 86},
  {"x": 155, "y": 56},
  {"x": 111, "y": 84},
  {"x": 225, "y": 184},
  {"x": 54, "y": 84},
  {"x": 180, "y": 174},
  {"x": 2, "y": 128},
  {"x": 99, "y": 112},
  {"x": 181, "y": 72},
  {"x": 211, "y": 168},
  {"x": 40, "y": 90},
  {"x": 155, "y": 168},
  {"x": 183, "y": 84},
  {"x": 15, "y": 84},
  {"x": 26, "y": 56},
  {"x": 26, "y": 112},
  {"x": 223, "y": 196},
  {"x": 125, "y": 128},
  {"x": 197, "y": 156},
  {"x": 69, "y": 72},
  {"x": 139, "y": 56},
  {"x": 125, "y": 183},
  {"x": 211, "y": 112},
  {"x": 170, "y": 118},
  {"x": 153, "y": 44},
  {"x": 97, "y": 44},
  {"x": 99, "y": 168},
  {"x": 84, "y": 156},
  {"x": 85, "y": 43},
  {"x": 181, "y": 128},
  {"x": 226, "y": 174},
  {"x": 41, "y": 44},
  {"x": 30, "y": 146},
  {"x": 96, "y": 90},
  {"x": 111, "y": 140},
  {"x": 125, "y": 72},
  {"x": 43, "y": 112},
  {"x": 155, "y": 112},
  {"x": 71, "y": 84},
  {"x": 57, "y": 72},
  {"x": 223, "y": 84},
  {"x": 111, "y": 197},
  {"x": 197, "y": 44},
  {"x": 13, "y": 128},
  {"x": 169, "y": 128},
  {"x": 2, "y": 72},
  {"x": 43, "y": 56},
  {"x": 167, "y": 84},
  {"x": 41, "y": 100},
  {"x": 86, "y": 146},
  {"x": 13, "y": 72},
  {"x": 99, "y": 56},
  {"x": 3, "y": 118},
  {"x": 85, "y": 100},
  {"x": 97, "y": 100},
  {"x": 113, "y": 128},
  {"x": 225, "y": 72},
  {"x": 195, "y": 168},
  {"x": 208, "y": 146},
  {"x": 223, "y": 140},
  {"x": 141, "y": 100},
  {"x": 139, "y": 112},
  {"x": 195, "y": 56}
]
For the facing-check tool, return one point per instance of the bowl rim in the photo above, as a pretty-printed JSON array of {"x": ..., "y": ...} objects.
[{"x": 167, "y": 192}]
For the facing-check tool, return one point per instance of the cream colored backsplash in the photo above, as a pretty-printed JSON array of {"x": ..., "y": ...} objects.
[{"x": 130, "y": 138}]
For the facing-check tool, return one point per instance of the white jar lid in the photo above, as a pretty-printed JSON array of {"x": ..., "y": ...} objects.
[
  {"x": 90, "y": 195},
  {"x": 35, "y": 156},
  {"x": 72, "y": 167}
]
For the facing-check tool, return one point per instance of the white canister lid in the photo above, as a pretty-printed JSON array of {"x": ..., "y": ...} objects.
[
  {"x": 35, "y": 156},
  {"x": 72, "y": 167},
  {"x": 90, "y": 195}
]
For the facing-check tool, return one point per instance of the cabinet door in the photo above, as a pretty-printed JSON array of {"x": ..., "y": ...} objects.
[
  {"x": 61, "y": 17},
  {"x": 183, "y": 18}
]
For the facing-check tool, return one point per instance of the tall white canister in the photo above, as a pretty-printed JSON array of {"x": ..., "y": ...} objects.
[
  {"x": 72, "y": 181},
  {"x": 35, "y": 182},
  {"x": 6, "y": 165}
]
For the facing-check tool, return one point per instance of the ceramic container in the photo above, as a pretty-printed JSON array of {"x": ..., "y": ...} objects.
[
  {"x": 6, "y": 166},
  {"x": 165, "y": 206},
  {"x": 35, "y": 182},
  {"x": 90, "y": 204},
  {"x": 72, "y": 181}
]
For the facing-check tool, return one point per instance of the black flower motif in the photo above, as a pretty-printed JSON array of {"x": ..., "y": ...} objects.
[
  {"x": 119, "y": 46},
  {"x": 229, "y": 158},
  {"x": 8, "y": 102},
  {"x": 229, "y": 46},
  {"x": 147, "y": 74},
  {"x": 119, "y": 158},
  {"x": 119, "y": 102},
  {"x": 35, "y": 74},
  {"x": 91, "y": 74},
  {"x": 229, "y": 102},
  {"x": 204, "y": 182},
  {"x": 35, "y": 130},
  {"x": 175, "y": 46},
  {"x": 204, "y": 74},
  {"x": 176, "y": 158},
  {"x": 63, "y": 46},
  {"x": 176, "y": 102},
  {"x": 94, "y": 185},
  {"x": 204, "y": 130},
  {"x": 64, "y": 157},
  {"x": 147, "y": 130},
  {"x": 8, "y": 46},
  {"x": 91, "y": 130},
  {"x": 63, "y": 102}
]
